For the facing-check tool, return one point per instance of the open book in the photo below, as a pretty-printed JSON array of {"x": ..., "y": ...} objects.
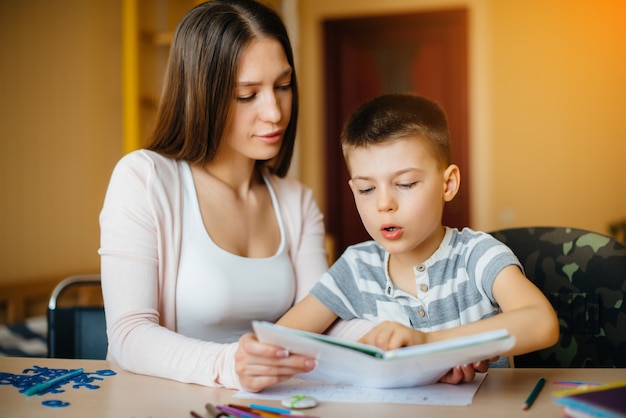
[{"x": 346, "y": 362}]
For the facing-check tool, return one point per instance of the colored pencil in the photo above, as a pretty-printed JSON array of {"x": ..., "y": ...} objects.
[
  {"x": 535, "y": 392},
  {"x": 40, "y": 387}
]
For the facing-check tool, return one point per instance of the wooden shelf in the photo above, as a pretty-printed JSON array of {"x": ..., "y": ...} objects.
[
  {"x": 148, "y": 27},
  {"x": 163, "y": 39}
]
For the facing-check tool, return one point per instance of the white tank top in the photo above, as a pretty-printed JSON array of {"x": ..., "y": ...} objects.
[{"x": 219, "y": 293}]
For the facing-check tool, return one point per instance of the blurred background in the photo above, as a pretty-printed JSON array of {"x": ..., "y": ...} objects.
[{"x": 542, "y": 113}]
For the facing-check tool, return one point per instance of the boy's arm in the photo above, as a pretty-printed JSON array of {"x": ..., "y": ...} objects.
[
  {"x": 526, "y": 313},
  {"x": 308, "y": 315}
]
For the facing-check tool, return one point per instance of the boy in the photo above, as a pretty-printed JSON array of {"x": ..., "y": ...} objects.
[{"x": 419, "y": 280}]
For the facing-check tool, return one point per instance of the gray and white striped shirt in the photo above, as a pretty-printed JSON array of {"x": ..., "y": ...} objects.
[{"x": 454, "y": 285}]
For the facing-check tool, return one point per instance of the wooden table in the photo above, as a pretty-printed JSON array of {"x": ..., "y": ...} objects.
[{"x": 130, "y": 395}]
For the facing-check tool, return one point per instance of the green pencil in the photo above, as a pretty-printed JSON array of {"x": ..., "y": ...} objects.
[
  {"x": 533, "y": 395},
  {"x": 39, "y": 387}
]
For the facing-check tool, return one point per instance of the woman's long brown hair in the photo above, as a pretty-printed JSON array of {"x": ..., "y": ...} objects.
[{"x": 200, "y": 80}]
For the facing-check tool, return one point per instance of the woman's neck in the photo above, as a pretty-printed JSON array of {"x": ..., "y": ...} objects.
[{"x": 240, "y": 176}]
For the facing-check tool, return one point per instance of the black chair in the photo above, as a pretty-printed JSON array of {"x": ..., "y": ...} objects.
[
  {"x": 583, "y": 274},
  {"x": 76, "y": 330}
]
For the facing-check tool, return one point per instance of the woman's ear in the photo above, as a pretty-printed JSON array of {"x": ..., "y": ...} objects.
[{"x": 451, "y": 182}]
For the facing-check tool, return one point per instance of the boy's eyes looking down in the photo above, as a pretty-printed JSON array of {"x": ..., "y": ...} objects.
[{"x": 365, "y": 188}]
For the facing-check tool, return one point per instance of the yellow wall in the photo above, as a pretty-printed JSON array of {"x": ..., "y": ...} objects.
[
  {"x": 546, "y": 102},
  {"x": 60, "y": 133},
  {"x": 547, "y": 90}
]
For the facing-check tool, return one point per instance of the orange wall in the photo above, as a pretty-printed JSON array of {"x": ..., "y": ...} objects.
[
  {"x": 546, "y": 106},
  {"x": 546, "y": 102},
  {"x": 559, "y": 137},
  {"x": 60, "y": 130}
]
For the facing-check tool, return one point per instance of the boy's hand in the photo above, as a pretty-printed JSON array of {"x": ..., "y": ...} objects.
[
  {"x": 389, "y": 335},
  {"x": 465, "y": 373}
]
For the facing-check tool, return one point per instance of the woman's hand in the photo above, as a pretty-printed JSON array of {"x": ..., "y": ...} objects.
[{"x": 261, "y": 365}]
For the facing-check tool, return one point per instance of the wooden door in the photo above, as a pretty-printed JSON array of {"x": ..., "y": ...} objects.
[{"x": 424, "y": 53}]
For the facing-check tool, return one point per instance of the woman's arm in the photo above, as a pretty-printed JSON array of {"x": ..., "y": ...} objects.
[{"x": 138, "y": 219}]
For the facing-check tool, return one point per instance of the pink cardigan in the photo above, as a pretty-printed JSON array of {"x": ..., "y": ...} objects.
[{"x": 139, "y": 247}]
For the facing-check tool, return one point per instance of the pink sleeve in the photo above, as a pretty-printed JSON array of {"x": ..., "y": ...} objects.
[
  {"x": 306, "y": 231},
  {"x": 139, "y": 323}
]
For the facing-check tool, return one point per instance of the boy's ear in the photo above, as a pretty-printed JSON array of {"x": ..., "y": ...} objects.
[
  {"x": 451, "y": 182},
  {"x": 352, "y": 189}
]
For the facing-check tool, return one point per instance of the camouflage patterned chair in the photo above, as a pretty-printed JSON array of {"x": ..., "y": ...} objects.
[{"x": 583, "y": 274}]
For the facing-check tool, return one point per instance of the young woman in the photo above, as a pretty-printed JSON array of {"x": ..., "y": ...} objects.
[{"x": 201, "y": 232}]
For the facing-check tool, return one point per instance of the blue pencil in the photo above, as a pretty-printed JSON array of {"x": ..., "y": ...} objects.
[
  {"x": 40, "y": 387},
  {"x": 274, "y": 409},
  {"x": 573, "y": 383}
]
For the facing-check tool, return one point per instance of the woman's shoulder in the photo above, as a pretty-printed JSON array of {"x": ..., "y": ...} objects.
[
  {"x": 145, "y": 158},
  {"x": 144, "y": 162},
  {"x": 148, "y": 170}
]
